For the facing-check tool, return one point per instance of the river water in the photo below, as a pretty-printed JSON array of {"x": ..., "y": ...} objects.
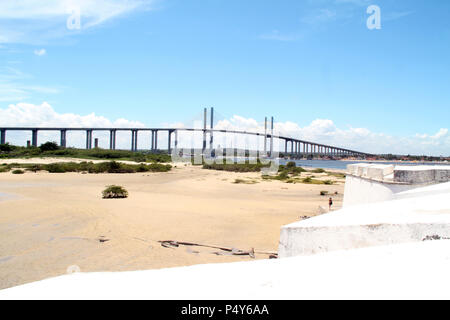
[{"x": 332, "y": 164}]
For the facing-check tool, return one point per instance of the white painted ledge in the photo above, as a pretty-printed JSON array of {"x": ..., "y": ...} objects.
[{"x": 410, "y": 271}]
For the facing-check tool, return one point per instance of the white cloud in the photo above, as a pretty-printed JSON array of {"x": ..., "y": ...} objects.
[
  {"x": 442, "y": 133},
  {"x": 37, "y": 21},
  {"x": 14, "y": 87},
  {"x": 320, "y": 130},
  {"x": 40, "y": 52},
  {"x": 43, "y": 115},
  {"x": 94, "y": 10},
  {"x": 325, "y": 131}
]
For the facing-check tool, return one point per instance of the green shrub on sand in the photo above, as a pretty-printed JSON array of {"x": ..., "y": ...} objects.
[
  {"x": 49, "y": 146},
  {"x": 291, "y": 164},
  {"x": 114, "y": 192}
]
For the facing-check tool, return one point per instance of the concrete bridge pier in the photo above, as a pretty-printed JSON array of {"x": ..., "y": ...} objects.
[
  {"x": 271, "y": 138},
  {"x": 2, "y": 136},
  {"x": 112, "y": 139},
  {"x": 88, "y": 139},
  {"x": 176, "y": 141},
  {"x": 155, "y": 140},
  {"x": 211, "y": 141},
  {"x": 265, "y": 137},
  {"x": 63, "y": 142},
  {"x": 134, "y": 136},
  {"x": 169, "y": 141},
  {"x": 34, "y": 137},
  {"x": 205, "y": 116}
]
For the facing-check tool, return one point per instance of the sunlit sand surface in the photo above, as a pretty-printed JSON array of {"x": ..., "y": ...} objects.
[{"x": 50, "y": 223}]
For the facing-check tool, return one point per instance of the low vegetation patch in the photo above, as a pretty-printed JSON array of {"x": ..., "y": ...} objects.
[
  {"x": 90, "y": 167},
  {"x": 236, "y": 167},
  {"x": 292, "y": 169},
  {"x": 290, "y": 173},
  {"x": 242, "y": 181},
  {"x": 18, "y": 171},
  {"x": 51, "y": 149},
  {"x": 337, "y": 175},
  {"x": 114, "y": 192},
  {"x": 310, "y": 180}
]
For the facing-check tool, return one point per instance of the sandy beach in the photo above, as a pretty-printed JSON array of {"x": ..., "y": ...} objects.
[{"x": 50, "y": 223}]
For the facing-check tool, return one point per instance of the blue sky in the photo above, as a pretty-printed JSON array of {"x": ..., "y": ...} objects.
[{"x": 162, "y": 61}]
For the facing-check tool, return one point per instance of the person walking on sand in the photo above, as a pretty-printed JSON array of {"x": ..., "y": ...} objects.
[{"x": 330, "y": 204}]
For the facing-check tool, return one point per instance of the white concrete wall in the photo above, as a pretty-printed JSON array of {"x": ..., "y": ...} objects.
[
  {"x": 370, "y": 183},
  {"x": 314, "y": 240},
  {"x": 410, "y": 217},
  {"x": 362, "y": 191}
]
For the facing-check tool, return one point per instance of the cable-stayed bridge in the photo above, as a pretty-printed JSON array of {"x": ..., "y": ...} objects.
[{"x": 289, "y": 145}]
